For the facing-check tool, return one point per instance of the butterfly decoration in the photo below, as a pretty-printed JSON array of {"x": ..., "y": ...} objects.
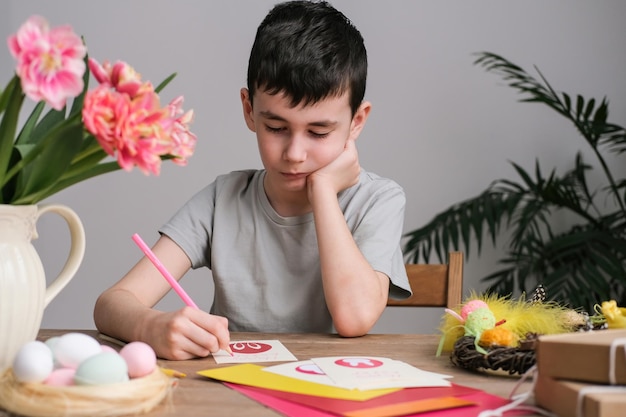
[{"x": 539, "y": 295}]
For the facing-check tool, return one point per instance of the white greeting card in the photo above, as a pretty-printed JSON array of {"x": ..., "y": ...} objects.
[
  {"x": 304, "y": 370},
  {"x": 253, "y": 351},
  {"x": 364, "y": 373}
]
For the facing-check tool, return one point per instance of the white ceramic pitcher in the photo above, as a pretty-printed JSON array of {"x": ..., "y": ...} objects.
[{"x": 24, "y": 293}]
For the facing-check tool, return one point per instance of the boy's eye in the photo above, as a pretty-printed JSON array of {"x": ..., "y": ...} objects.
[
  {"x": 274, "y": 129},
  {"x": 319, "y": 135},
  {"x": 281, "y": 129}
]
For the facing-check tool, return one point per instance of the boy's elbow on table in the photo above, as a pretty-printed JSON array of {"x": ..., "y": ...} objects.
[
  {"x": 351, "y": 333},
  {"x": 352, "y": 328}
]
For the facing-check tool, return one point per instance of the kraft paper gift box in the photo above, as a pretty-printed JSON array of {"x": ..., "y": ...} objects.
[
  {"x": 577, "y": 399},
  {"x": 584, "y": 356}
]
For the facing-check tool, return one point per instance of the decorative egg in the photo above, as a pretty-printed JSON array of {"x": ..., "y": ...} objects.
[
  {"x": 102, "y": 368},
  {"x": 140, "y": 358},
  {"x": 51, "y": 343},
  {"x": 61, "y": 377},
  {"x": 33, "y": 362},
  {"x": 479, "y": 320},
  {"x": 106, "y": 348},
  {"x": 471, "y": 306},
  {"x": 73, "y": 348}
]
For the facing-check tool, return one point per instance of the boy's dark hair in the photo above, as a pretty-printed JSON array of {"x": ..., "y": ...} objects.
[{"x": 309, "y": 51}]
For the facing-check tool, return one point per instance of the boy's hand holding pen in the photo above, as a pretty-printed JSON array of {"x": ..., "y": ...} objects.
[{"x": 170, "y": 279}]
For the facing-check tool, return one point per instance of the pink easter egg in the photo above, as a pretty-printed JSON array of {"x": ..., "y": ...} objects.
[
  {"x": 471, "y": 306},
  {"x": 106, "y": 348},
  {"x": 140, "y": 358},
  {"x": 61, "y": 377}
]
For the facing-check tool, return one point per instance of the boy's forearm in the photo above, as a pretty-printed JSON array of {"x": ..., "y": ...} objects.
[
  {"x": 118, "y": 313},
  {"x": 355, "y": 294}
]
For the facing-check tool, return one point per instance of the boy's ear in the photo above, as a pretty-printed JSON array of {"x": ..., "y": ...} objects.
[
  {"x": 359, "y": 119},
  {"x": 246, "y": 105}
]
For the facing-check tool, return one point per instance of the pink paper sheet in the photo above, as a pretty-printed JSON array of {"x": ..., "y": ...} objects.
[
  {"x": 339, "y": 406},
  {"x": 483, "y": 401}
]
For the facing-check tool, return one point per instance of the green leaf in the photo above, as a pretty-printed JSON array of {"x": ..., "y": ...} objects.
[
  {"x": 8, "y": 126},
  {"x": 589, "y": 109},
  {"x": 580, "y": 105},
  {"x": 51, "y": 120},
  {"x": 80, "y": 176},
  {"x": 5, "y": 95},
  {"x": 30, "y": 123},
  {"x": 84, "y": 161},
  {"x": 567, "y": 102},
  {"x": 77, "y": 104},
  {"x": 53, "y": 160},
  {"x": 164, "y": 83}
]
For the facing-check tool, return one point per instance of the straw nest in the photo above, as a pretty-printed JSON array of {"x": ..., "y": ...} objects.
[
  {"x": 514, "y": 361},
  {"x": 136, "y": 396}
]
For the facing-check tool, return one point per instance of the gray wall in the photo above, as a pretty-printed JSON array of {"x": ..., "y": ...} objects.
[{"x": 442, "y": 127}]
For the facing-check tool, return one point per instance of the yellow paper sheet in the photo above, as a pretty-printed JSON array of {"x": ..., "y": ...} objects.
[{"x": 254, "y": 376}]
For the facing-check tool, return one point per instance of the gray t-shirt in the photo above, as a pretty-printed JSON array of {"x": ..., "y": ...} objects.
[{"x": 266, "y": 267}]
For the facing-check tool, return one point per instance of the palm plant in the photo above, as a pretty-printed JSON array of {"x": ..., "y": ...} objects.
[{"x": 581, "y": 266}]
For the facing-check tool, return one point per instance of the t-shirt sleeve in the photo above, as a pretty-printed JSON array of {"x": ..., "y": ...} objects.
[
  {"x": 379, "y": 232},
  {"x": 192, "y": 225}
]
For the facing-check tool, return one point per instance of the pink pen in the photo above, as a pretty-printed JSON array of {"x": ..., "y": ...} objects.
[
  {"x": 166, "y": 274},
  {"x": 168, "y": 277}
]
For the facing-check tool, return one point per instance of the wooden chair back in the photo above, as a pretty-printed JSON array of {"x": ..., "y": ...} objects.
[{"x": 434, "y": 285}]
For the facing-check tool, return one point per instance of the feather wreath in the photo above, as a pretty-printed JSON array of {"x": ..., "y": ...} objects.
[{"x": 492, "y": 332}]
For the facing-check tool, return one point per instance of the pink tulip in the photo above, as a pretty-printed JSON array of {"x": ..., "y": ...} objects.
[
  {"x": 99, "y": 116},
  {"x": 99, "y": 72},
  {"x": 49, "y": 61},
  {"x": 136, "y": 131},
  {"x": 183, "y": 141},
  {"x": 120, "y": 76},
  {"x": 125, "y": 116}
]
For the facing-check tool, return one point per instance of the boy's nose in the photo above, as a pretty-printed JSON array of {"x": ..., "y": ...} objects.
[{"x": 295, "y": 149}]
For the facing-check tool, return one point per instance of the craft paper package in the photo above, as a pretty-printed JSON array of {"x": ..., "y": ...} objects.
[
  {"x": 584, "y": 356},
  {"x": 562, "y": 398}
]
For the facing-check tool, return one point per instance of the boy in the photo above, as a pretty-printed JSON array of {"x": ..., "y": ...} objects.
[{"x": 307, "y": 243}]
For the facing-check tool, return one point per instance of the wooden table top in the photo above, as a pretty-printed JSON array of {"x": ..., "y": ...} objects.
[{"x": 198, "y": 396}]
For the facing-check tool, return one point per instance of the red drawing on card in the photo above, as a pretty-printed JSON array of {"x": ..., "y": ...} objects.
[
  {"x": 358, "y": 363},
  {"x": 310, "y": 369},
  {"x": 250, "y": 347}
]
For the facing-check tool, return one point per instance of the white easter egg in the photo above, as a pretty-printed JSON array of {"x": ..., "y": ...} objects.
[
  {"x": 51, "y": 343},
  {"x": 73, "y": 348},
  {"x": 33, "y": 362}
]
